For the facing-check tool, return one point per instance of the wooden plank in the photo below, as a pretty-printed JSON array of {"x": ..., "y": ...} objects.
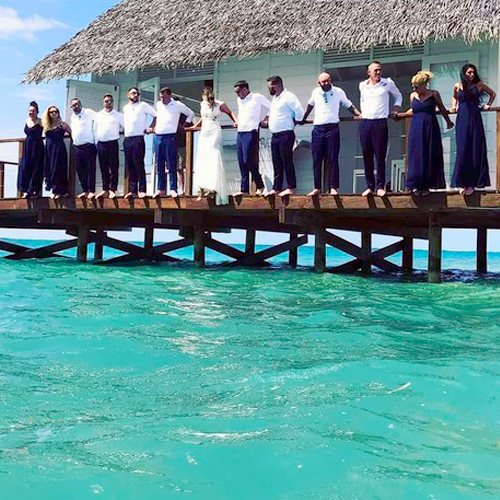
[
  {"x": 435, "y": 240},
  {"x": 6, "y": 246},
  {"x": 482, "y": 250},
  {"x": 344, "y": 246},
  {"x": 171, "y": 246}
]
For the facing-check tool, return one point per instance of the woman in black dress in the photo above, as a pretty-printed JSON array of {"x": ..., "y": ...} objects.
[
  {"x": 425, "y": 149},
  {"x": 30, "y": 175},
  {"x": 56, "y": 158},
  {"x": 471, "y": 164}
]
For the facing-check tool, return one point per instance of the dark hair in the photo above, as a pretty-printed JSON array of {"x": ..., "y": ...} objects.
[
  {"x": 132, "y": 88},
  {"x": 464, "y": 80},
  {"x": 374, "y": 62},
  {"x": 275, "y": 79},
  {"x": 76, "y": 99},
  {"x": 166, "y": 90},
  {"x": 35, "y": 105},
  {"x": 242, "y": 84},
  {"x": 209, "y": 93},
  {"x": 108, "y": 95}
]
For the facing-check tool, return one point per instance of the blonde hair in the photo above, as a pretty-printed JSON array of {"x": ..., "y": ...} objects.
[
  {"x": 47, "y": 122},
  {"x": 422, "y": 78}
]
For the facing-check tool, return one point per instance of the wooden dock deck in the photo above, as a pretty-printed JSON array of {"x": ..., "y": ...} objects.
[{"x": 402, "y": 215}]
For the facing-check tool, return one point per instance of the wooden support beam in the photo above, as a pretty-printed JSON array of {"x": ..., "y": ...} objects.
[
  {"x": 435, "y": 241},
  {"x": 98, "y": 246},
  {"x": 12, "y": 247},
  {"x": 277, "y": 249},
  {"x": 83, "y": 243},
  {"x": 250, "y": 242},
  {"x": 149, "y": 232},
  {"x": 44, "y": 252},
  {"x": 199, "y": 247},
  {"x": 366, "y": 246},
  {"x": 482, "y": 250},
  {"x": 172, "y": 246},
  {"x": 293, "y": 254},
  {"x": 224, "y": 249},
  {"x": 320, "y": 241},
  {"x": 407, "y": 259}
]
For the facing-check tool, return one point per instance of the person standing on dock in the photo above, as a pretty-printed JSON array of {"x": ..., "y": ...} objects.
[
  {"x": 82, "y": 133},
  {"x": 471, "y": 164},
  {"x": 135, "y": 115},
  {"x": 375, "y": 96},
  {"x": 107, "y": 125},
  {"x": 30, "y": 176},
  {"x": 286, "y": 111},
  {"x": 251, "y": 107},
  {"x": 325, "y": 145},
  {"x": 165, "y": 141}
]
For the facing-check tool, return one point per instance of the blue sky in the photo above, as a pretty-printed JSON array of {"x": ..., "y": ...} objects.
[{"x": 30, "y": 29}]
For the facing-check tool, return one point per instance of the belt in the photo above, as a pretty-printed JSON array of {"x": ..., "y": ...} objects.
[{"x": 327, "y": 125}]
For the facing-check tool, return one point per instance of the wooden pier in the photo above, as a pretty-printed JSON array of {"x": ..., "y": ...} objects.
[{"x": 401, "y": 215}]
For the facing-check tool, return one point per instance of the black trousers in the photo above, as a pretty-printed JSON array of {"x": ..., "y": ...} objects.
[
  {"x": 109, "y": 161},
  {"x": 282, "y": 154},
  {"x": 374, "y": 136},
  {"x": 85, "y": 160},
  {"x": 325, "y": 145},
  {"x": 135, "y": 149},
  {"x": 247, "y": 144}
]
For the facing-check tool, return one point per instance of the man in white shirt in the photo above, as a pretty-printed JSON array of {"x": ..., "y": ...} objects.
[
  {"x": 107, "y": 125},
  {"x": 251, "y": 107},
  {"x": 376, "y": 93},
  {"x": 326, "y": 101},
  {"x": 135, "y": 115},
  {"x": 285, "y": 112},
  {"x": 165, "y": 141},
  {"x": 82, "y": 133}
]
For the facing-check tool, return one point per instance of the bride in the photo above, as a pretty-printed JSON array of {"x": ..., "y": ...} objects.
[{"x": 209, "y": 169}]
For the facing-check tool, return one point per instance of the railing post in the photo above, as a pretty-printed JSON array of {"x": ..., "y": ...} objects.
[
  {"x": 72, "y": 170},
  {"x": 2, "y": 179},
  {"x": 497, "y": 187},
  {"x": 20, "y": 152},
  {"x": 189, "y": 160}
]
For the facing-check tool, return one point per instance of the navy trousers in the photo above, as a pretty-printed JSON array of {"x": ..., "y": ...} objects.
[
  {"x": 326, "y": 146},
  {"x": 109, "y": 161},
  {"x": 85, "y": 160},
  {"x": 165, "y": 147},
  {"x": 374, "y": 136},
  {"x": 135, "y": 149},
  {"x": 282, "y": 153},
  {"x": 247, "y": 144}
]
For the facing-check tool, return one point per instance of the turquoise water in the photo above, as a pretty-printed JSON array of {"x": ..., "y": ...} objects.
[{"x": 165, "y": 382}]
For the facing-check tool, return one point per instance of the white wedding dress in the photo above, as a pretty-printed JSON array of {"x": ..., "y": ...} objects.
[{"x": 209, "y": 169}]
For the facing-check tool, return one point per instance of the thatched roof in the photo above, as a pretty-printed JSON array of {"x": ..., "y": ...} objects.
[{"x": 140, "y": 33}]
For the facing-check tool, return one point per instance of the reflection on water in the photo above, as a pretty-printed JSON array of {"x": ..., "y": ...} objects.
[{"x": 167, "y": 382}]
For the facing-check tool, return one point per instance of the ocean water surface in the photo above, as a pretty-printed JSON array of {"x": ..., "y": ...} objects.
[{"x": 166, "y": 382}]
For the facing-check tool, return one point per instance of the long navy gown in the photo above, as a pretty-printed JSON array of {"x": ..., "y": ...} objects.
[
  {"x": 56, "y": 162},
  {"x": 30, "y": 176},
  {"x": 425, "y": 149},
  {"x": 471, "y": 164}
]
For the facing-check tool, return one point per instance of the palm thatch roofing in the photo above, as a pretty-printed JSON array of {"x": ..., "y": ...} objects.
[{"x": 141, "y": 33}]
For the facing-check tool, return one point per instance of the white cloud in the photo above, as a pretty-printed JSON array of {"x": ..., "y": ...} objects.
[{"x": 14, "y": 26}]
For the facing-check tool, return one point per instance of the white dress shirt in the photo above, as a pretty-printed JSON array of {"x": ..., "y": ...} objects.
[
  {"x": 285, "y": 108},
  {"x": 135, "y": 116},
  {"x": 82, "y": 127},
  {"x": 375, "y": 99},
  {"x": 327, "y": 104},
  {"x": 167, "y": 119},
  {"x": 107, "y": 125},
  {"x": 250, "y": 111}
]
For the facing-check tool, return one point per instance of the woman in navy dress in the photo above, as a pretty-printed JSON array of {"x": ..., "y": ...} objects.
[
  {"x": 471, "y": 165},
  {"x": 56, "y": 158},
  {"x": 425, "y": 149},
  {"x": 30, "y": 175}
]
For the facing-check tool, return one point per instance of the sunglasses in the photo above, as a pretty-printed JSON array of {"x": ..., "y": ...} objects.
[{"x": 53, "y": 112}]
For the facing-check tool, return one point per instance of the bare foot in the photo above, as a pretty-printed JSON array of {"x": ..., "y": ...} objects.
[
  {"x": 102, "y": 194},
  {"x": 271, "y": 193},
  {"x": 52, "y": 196},
  {"x": 469, "y": 191},
  {"x": 381, "y": 192},
  {"x": 158, "y": 194},
  {"x": 200, "y": 195},
  {"x": 286, "y": 192},
  {"x": 111, "y": 194},
  {"x": 259, "y": 192},
  {"x": 367, "y": 192},
  {"x": 142, "y": 195},
  {"x": 90, "y": 196},
  {"x": 129, "y": 195},
  {"x": 239, "y": 193},
  {"x": 334, "y": 192},
  {"x": 82, "y": 195},
  {"x": 174, "y": 194},
  {"x": 314, "y": 192},
  {"x": 461, "y": 191},
  {"x": 24, "y": 196}
]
